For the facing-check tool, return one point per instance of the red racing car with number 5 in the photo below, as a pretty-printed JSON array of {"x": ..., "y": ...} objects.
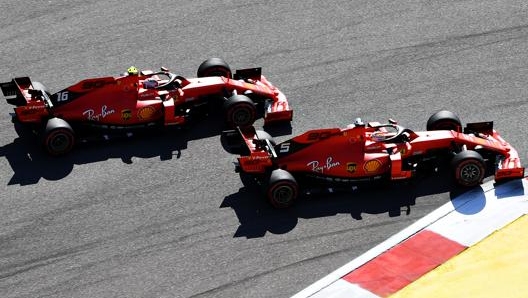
[
  {"x": 139, "y": 100},
  {"x": 368, "y": 153}
]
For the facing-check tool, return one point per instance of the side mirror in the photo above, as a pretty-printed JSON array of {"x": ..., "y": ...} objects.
[{"x": 406, "y": 137}]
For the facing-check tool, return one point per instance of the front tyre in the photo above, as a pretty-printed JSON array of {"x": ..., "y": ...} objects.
[
  {"x": 469, "y": 168},
  {"x": 214, "y": 67},
  {"x": 444, "y": 120},
  {"x": 240, "y": 111},
  {"x": 58, "y": 137},
  {"x": 282, "y": 190}
]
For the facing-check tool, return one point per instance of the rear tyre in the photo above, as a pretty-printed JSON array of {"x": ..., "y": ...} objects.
[
  {"x": 282, "y": 190},
  {"x": 240, "y": 111},
  {"x": 214, "y": 67},
  {"x": 58, "y": 137},
  {"x": 469, "y": 168},
  {"x": 444, "y": 120}
]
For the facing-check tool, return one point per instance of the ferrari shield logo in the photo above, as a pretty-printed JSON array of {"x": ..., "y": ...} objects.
[{"x": 351, "y": 167}]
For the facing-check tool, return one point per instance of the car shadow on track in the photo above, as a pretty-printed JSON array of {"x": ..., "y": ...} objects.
[
  {"x": 257, "y": 217},
  {"x": 29, "y": 163}
]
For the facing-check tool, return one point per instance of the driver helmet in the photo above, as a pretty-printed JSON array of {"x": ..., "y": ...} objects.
[
  {"x": 150, "y": 83},
  {"x": 358, "y": 122},
  {"x": 378, "y": 136},
  {"x": 132, "y": 71}
]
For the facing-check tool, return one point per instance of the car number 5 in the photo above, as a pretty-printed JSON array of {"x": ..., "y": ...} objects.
[{"x": 284, "y": 147}]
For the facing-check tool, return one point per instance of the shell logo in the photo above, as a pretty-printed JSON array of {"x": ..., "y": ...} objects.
[
  {"x": 372, "y": 166},
  {"x": 146, "y": 113}
]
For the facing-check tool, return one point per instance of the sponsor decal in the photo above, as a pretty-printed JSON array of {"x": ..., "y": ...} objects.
[
  {"x": 355, "y": 139},
  {"x": 126, "y": 114},
  {"x": 93, "y": 116},
  {"x": 372, "y": 166},
  {"x": 351, "y": 167},
  {"x": 29, "y": 110},
  {"x": 39, "y": 107},
  {"x": 315, "y": 136},
  {"x": 96, "y": 84},
  {"x": 146, "y": 113},
  {"x": 318, "y": 167},
  {"x": 481, "y": 141},
  {"x": 254, "y": 160},
  {"x": 147, "y": 94},
  {"x": 376, "y": 147},
  {"x": 477, "y": 140}
]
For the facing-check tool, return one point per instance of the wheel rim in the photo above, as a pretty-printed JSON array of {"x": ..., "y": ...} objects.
[
  {"x": 283, "y": 194},
  {"x": 241, "y": 116},
  {"x": 470, "y": 173},
  {"x": 59, "y": 142}
]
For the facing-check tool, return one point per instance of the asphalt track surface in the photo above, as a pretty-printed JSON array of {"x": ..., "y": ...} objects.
[{"x": 165, "y": 215}]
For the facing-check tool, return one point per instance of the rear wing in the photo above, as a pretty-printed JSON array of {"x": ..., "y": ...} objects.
[
  {"x": 13, "y": 91},
  {"x": 234, "y": 143},
  {"x": 246, "y": 141},
  {"x": 20, "y": 91},
  {"x": 255, "y": 149}
]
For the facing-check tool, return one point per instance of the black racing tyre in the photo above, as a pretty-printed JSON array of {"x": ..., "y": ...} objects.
[
  {"x": 240, "y": 111},
  {"x": 282, "y": 190},
  {"x": 444, "y": 120},
  {"x": 469, "y": 168},
  {"x": 58, "y": 137},
  {"x": 262, "y": 135},
  {"x": 214, "y": 67}
]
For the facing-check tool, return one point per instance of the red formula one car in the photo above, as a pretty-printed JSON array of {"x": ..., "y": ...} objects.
[
  {"x": 365, "y": 153},
  {"x": 141, "y": 100}
]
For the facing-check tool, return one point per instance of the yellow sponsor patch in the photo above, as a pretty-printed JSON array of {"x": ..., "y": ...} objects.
[
  {"x": 126, "y": 114},
  {"x": 146, "y": 113},
  {"x": 351, "y": 167},
  {"x": 372, "y": 166}
]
